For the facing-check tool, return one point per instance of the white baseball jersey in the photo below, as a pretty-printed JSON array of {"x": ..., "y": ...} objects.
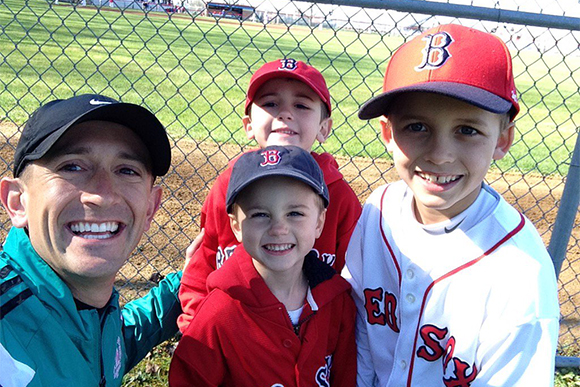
[{"x": 470, "y": 302}]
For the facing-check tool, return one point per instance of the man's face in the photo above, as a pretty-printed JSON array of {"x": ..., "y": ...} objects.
[
  {"x": 442, "y": 149},
  {"x": 278, "y": 219},
  {"x": 88, "y": 201},
  {"x": 286, "y": 111}
]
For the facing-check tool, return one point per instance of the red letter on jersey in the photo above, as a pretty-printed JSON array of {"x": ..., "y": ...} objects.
[
  {"x": 373, "y": 299},
  {"x": 431, "y": 335}
]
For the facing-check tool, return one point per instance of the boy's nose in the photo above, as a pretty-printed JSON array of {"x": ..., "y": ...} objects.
[
  {"x": 278, "y": 227},
  {"x": 285, "y": 113},
  {"x": 440, "y": 151}
]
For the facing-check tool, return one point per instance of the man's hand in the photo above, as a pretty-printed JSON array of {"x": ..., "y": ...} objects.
[{"x": 191, "y": 249}]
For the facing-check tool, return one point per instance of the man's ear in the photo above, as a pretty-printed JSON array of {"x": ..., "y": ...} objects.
[
  {"x": 14, "y": 199},
  {"x": 386, "y": 132},
  {"x": 247, "y": 122},
  {"x": 504, "y": 141},
  {"x": 153, "y": 204},
  {"x": 236, "y": 227},
  {"x": 325, "y": 129}
]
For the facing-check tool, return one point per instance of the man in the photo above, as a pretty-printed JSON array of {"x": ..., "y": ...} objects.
[{"x": 82, "y": 195}]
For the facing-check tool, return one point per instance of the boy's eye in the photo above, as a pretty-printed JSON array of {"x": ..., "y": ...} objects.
[
  {"x": 258, "y": 215},
  {"x": 416, "y": 127},
  {"x": 295, "y": 213},
  {"x": 467, "y": 130},
  {"x": 302, "y": 106},
  {"x": 268, "y": 104}
]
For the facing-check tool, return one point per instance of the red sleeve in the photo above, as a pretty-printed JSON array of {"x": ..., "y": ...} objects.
[
  {"x": 343, "y": 372},
  {"x": 198, "y": 359},
  {"x": 215, "y": 221},
  {"x": 342, "y": 214}
]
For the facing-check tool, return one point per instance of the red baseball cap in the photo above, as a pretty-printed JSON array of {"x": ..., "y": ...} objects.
[
  {"x": 452, "y": 60},
  {"x": 288, "y": 68}
]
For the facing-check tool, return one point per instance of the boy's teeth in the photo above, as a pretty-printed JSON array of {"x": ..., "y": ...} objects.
[
  {"x": 438, "y": 179},
  {"x": 278, "y": 247}
]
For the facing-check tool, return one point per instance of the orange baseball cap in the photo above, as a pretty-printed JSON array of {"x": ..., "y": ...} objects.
[
  {"x": 451, "y": 60},
  {"x": 288, "y": 68}
]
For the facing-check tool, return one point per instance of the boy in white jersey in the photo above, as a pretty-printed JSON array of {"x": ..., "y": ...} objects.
[{"x": 453, "y": 286}]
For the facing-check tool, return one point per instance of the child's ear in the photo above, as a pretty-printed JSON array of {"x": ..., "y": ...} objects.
[
  {"x": 247, "y": 122},
  {"x": 386, "y": 132},
  {"x": 320, "y": 223},
  {"x": 236, "y": 227},
  {"x": 504, "y": 141},
  {"x": 14, "y": 199},
  {"x": 325, "y": 129}
]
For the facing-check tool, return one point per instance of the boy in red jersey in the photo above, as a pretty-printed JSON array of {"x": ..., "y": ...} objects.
[
  {"x": 275, "y": 314},
  {"x": 287, "y": 103}
]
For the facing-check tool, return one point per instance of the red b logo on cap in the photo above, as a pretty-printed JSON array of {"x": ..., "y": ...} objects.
[
  {"x": 288, "y": 64},
  {"x": 271, "y": 157},
  {"x": 435, "y": 53}
]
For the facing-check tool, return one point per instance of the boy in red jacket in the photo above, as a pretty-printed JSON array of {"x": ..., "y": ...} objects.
[
  {"x": 275, "y": 314},
  {"x": 287, "y": 103}
]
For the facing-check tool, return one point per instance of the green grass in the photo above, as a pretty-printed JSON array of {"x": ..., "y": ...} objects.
[{"x": 193, "y": 73}]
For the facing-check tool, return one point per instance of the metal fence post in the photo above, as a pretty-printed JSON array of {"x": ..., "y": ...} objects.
[{"x": 567, "y": 211}]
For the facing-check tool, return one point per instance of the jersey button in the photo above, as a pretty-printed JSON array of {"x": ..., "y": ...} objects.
[
  {"x": 410, "y": 298},
  {"x": 287, "y": 343},
  {"x": 410, "y": 274},
  {"x": 403, "y": 364}
]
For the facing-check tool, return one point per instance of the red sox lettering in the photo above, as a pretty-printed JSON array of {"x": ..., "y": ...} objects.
[
  {"x": 374, "y": 300},
  {"x": 435, "y": 348},
  {"x": 323, "y": 373}
]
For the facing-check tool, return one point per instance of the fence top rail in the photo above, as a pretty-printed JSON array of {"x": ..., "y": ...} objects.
[{"x": 466, "y": 12}]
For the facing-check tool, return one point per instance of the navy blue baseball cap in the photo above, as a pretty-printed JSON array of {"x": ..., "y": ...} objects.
[
  {"x": 288, "y": 161},
  {"x": 49, "y": 122}
]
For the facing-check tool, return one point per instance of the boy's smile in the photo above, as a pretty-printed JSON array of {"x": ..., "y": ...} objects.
[
  {"x": 442, "y": 149},
  {"x": 286, "y": 111}
]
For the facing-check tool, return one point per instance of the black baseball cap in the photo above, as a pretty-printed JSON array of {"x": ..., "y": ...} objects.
[
  {"x": 289, "y": 161},
  {"x": 49, "y": 122}
]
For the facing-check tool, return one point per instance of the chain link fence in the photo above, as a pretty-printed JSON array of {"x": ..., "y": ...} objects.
[{"x": 190, "y": 63}]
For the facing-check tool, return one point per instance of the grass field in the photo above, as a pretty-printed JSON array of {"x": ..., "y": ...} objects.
[{"x": 193, "y": 73}]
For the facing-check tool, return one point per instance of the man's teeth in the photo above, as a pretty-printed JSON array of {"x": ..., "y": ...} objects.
[
  {"x": 94, "y": 227},
  {"x": 278, "y": 247},
  {"x": 438, "y": 179}
]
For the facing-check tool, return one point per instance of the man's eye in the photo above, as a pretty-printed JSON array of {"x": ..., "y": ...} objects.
[
  {"x": 71, "y": 167},
  {"x": 129, "y": 171}
]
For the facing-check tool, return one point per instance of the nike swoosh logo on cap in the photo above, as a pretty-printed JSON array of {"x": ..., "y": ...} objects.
[
  {"x": 448, "y": 230},
  {"x": 97, "y": 102}
]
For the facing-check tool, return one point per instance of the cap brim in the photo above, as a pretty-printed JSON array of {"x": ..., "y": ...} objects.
[
  {"x": 269, "y": 173},
  {"x": 137, "y": 118},
  {"x": 379, "y": 105},
  {"x": 258, "y": 82}
]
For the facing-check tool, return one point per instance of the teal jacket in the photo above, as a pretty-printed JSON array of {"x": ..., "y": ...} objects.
[{"x": 46, "y": 341}]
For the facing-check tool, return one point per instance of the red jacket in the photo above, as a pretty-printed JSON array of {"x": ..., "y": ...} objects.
[
  {"x": 242, "y": 336},
  {"x": 219, "y": 241}
]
